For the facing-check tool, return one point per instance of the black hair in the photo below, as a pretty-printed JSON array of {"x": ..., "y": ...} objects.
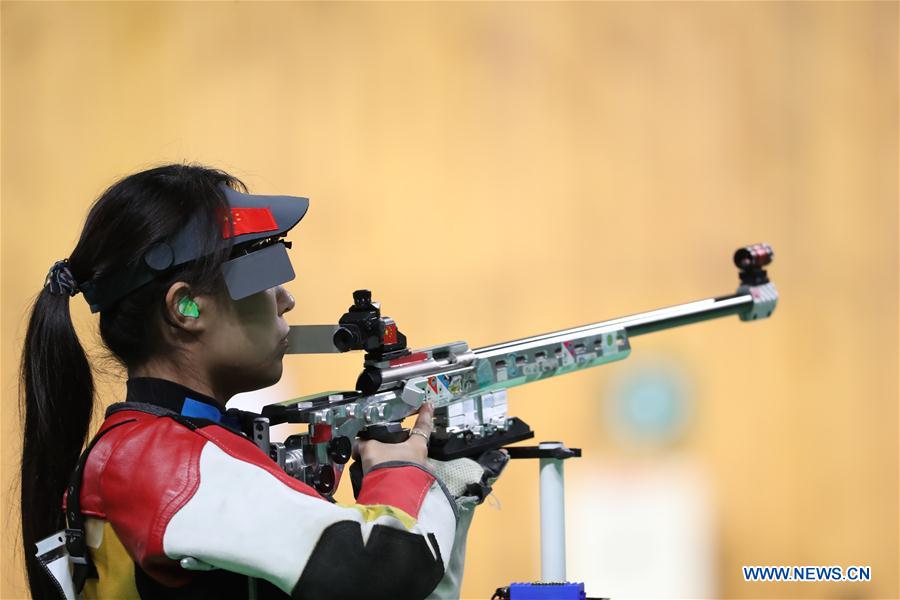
[{"x": 56, "y": 384}]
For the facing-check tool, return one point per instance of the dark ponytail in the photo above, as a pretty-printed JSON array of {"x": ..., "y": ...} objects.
[
  {"x": 56, "y": 381},
  {"x": 59, "y": 395}
]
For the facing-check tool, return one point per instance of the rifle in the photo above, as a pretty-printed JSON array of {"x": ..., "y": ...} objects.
[{"x": 468, "y": 388}]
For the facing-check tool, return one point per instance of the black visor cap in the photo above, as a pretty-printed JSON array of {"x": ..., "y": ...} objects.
[{"x": 244, "y": 275}]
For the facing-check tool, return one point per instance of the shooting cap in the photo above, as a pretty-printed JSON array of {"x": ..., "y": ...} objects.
[{"x": 258, "y": 259}]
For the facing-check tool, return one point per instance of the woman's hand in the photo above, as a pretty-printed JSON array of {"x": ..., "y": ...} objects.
[{"x": 414, "y": 450}]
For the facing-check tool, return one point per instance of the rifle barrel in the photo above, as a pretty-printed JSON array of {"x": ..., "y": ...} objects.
[{"x": 641, "y": 323}]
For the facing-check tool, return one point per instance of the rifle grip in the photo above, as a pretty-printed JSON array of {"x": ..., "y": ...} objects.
[
  {"x": 356, "y": 477},
  {"x": 389, "y": 433}
]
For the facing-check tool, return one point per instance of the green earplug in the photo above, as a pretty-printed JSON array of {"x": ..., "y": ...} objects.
[{"x": 188, "y": 307}]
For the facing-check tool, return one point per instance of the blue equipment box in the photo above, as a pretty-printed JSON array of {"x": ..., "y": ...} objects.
[{"x": 546, "y": 591}]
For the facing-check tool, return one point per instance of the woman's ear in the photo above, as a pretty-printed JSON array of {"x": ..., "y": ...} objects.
[{"x": 183, "y": 309}]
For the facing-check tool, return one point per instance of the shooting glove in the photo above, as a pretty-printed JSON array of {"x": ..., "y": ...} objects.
[{"x": 465, "y": 477}]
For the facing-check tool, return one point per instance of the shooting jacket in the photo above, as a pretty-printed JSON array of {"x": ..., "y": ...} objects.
[{"x": 177, "y": 487}]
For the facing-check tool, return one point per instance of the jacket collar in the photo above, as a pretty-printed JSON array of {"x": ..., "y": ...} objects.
[{"x": 173, "y": 396}]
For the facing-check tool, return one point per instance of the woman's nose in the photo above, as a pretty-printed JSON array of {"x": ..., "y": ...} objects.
[{"x": 285, "y": 300}]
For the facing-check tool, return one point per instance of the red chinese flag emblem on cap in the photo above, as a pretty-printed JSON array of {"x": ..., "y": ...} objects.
[{"x": 250, "y": 220}]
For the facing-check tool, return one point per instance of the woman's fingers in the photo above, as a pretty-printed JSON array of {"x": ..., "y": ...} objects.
[
  {"x": 424, "y": 425},
  {"x": 425, "y": 420}
]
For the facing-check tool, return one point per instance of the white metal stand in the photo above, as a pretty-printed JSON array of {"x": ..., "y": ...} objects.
[
  {"x": 553, "y": 504},
  {"x": 553, "y": 516}
]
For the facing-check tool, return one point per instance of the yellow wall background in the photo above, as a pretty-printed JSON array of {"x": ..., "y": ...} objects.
[{"x": 495, "y": 170}]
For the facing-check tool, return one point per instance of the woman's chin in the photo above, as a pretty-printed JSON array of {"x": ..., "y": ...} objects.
[
  {"x": 260, "y": 378},
  {"x": 277, "y": 372}
]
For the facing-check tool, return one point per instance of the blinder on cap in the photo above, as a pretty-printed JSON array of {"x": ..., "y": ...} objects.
[{"x": 257, "y": 271}]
